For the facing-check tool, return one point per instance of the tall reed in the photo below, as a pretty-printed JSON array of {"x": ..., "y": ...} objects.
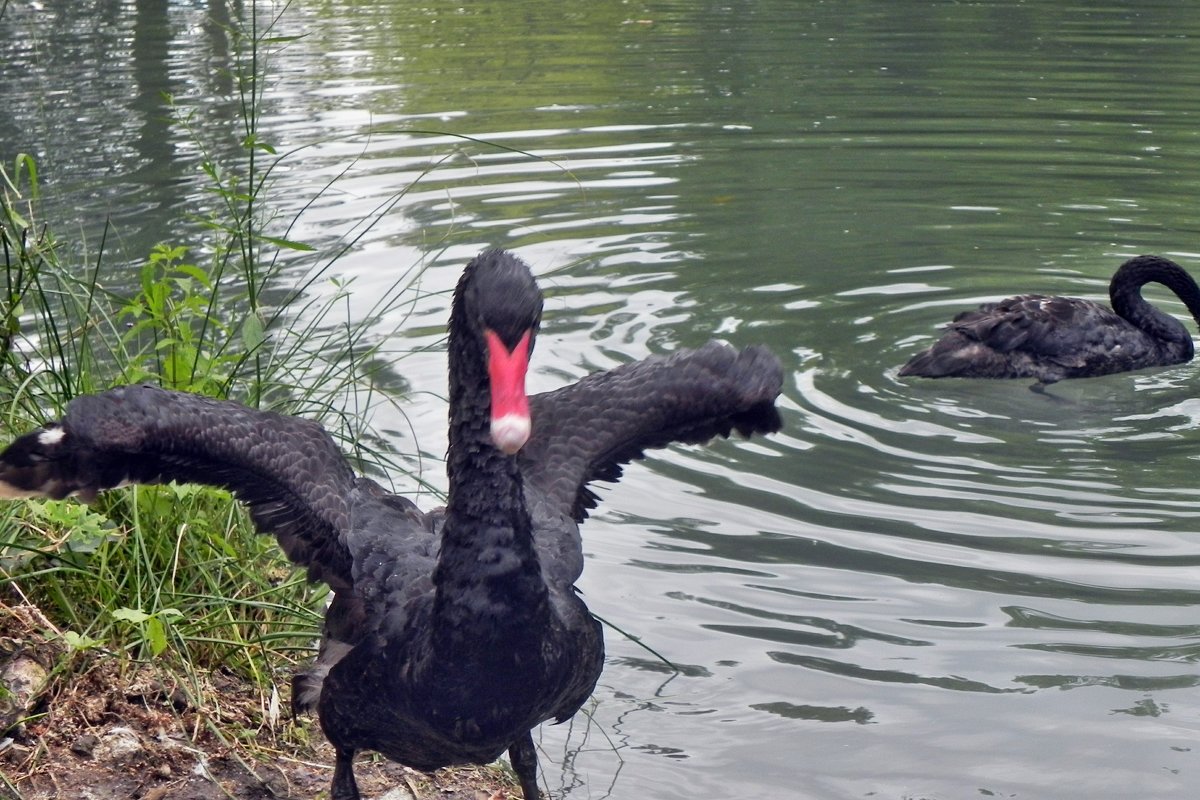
[{"x": 177, "y": 574}]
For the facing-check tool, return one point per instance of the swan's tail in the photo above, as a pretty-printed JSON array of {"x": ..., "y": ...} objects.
[{"x": 926, "y": 364}]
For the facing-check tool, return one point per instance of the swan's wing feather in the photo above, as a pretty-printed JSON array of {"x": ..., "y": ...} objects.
[
  {"x": 287, "y": 470},
  {"x": 1037, "y": 336},
  {"x": 586, "y": 432},
  {"x": 1057, "y": 328},
  {"x": 393, "y": 546}
]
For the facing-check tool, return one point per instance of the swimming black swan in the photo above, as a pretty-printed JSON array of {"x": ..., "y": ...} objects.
[
  {"x": 453, "y": 633},
  {"x": 1052, "y": 338}
]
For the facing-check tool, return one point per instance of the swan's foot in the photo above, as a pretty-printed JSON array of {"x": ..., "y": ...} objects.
[
  {"x": 344, "y": 787},
  {"x": 524, "y": 763}
]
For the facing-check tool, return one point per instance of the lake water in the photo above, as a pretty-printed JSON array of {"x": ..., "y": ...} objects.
[{"x": 919, "y": 589}]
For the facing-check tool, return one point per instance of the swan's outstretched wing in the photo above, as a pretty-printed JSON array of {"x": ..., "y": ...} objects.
[
  {"x": 586, "y": 432},
  {"x": 287, "y": 470}
]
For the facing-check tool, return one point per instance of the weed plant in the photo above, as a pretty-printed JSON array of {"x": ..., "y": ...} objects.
[{"x": 176, "y": 574}]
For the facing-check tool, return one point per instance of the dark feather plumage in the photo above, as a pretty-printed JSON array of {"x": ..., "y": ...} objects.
[
  {"x": 451, "y": 633},
  {"x": 1052, "y": 338}
]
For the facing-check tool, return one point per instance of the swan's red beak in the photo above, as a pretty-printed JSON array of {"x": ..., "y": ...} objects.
[{"x": 510, "y": 405}]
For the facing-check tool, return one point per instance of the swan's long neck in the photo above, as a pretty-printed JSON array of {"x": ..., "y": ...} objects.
[
  {"x": 488, "y": 579},
  {"x": 1126, "y": 296}
]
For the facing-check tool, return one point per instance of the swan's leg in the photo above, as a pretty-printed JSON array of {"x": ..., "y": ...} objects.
[
  {"x": 344, "y": 787},
  {"x": 524, "y": 763}
]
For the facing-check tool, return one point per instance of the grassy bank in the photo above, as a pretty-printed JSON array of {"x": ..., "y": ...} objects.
[{"x": 170, "y": 582}]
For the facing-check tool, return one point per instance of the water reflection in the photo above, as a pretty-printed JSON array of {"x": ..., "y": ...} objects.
[
  {"x": 889, "y": 598},
  {"x": 87, "y": 90}
]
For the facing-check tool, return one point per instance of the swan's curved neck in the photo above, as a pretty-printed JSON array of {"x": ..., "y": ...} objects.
[
  {"x": 1125, "y": 292},
  {"x": 488, "y": 578}
]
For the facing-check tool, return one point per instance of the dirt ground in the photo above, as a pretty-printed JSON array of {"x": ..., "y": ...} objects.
[{"x": 110, "y": 729}]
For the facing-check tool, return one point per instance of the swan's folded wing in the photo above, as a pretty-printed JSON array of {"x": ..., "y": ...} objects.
[
  {"x": 1043, "y": 327},
  {"x": 585, "y": 432},
  {"x": 287, "y": 470}
]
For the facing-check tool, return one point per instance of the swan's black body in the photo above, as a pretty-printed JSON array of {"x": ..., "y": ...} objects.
[
  {"x": 1052, "y": 338},
  {"x": 451, "y": 633}
]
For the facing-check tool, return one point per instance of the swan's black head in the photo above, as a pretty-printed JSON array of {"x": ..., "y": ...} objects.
[
  {"x": 498, "y": 293},
  {"x": 496, "y": 313}
]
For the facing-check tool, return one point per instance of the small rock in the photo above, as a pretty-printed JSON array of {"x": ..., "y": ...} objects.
[
  {"x": 396, "y": 794},
  {"x": 85, "y": 745},
  {"x": 180, "y": 700},
  {"x": 116, "y": 744},
  {"x": 22, "y": 679}
]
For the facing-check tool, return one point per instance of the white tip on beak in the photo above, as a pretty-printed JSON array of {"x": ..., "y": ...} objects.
[{"x": 510, "y": 432}]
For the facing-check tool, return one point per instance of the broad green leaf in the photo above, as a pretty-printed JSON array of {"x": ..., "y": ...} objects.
[
  {"x": 77, "y": 642},
  {"x": 156, "y": 635},
  {"x": 195, "y": 272},
  {"x": 252, "y": 333},
  {"x": 130, "y": 615}
]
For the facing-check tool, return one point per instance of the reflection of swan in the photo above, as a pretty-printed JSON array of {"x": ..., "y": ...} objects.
[
  {"x": 1051, "y": 338},
  {"x": 451, "y": 633}
]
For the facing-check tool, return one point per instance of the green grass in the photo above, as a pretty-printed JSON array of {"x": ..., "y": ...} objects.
[{"x": 177, "y": 575}]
